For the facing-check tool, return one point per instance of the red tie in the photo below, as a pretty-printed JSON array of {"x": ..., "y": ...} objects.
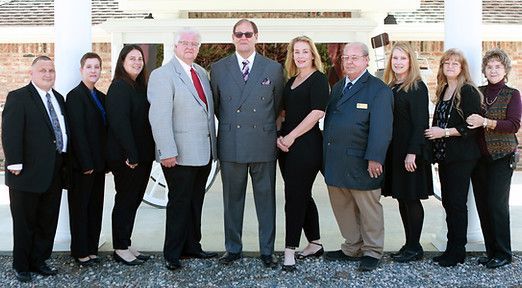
[{"x": 197, "y": 85}]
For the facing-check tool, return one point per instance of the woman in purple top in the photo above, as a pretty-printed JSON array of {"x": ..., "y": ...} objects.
[{"x": 491, "y": 177}]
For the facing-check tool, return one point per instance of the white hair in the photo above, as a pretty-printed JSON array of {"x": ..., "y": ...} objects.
[
  {"x": 363, "y": 47},
  {"x": 186, "y": 31}
]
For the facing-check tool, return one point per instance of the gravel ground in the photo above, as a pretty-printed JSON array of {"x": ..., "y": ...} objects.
[{"x": 249, "y": 272}]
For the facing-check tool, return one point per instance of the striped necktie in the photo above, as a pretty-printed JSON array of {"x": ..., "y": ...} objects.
[{"x": 245, "y": 70}]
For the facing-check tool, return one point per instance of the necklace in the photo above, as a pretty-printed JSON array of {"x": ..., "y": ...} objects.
[{"x": 488, "y": 102}]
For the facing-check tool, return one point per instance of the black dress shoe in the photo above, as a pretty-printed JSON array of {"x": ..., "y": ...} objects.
[
  {"x": 339, "y": 256},
  {"x": 440, "y": 256},
  {"x": 134, "y": 262},
  {"x": 173, "y": 265},
  {"x": 270, "y": 261},
  {"x": 483, "y": 260},
  {"x": 44, "y": 270},
  {"x": 86, "y": 263},
  {"x": 368, "y": 263},
  {"x": 201, "y": 255},
  {"x": 497, "y": 262},
  {"x": 228, "y": 258},
  {"x": 143, "y": 257},
  {"x": 288, "y": 268},
  {"x": 409, "y": 255},
  {"x": 451, "y": 260},
  {"x": 394, "y": 255},
  {"x": 318, "y": 253},
  {"x": 23, "y": 276}
]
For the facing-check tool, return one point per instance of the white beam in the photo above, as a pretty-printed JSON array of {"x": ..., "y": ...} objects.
[
  {"x": 266, "y": 5},
  {"x": 71, "y": 42}
]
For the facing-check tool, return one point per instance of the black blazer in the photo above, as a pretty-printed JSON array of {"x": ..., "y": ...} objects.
[
  {"x": 28, "y": 139},
  {"x": 88, "y": 132},
  {"x": 464, "y": 147},
  {"x": 129, "y": 135}
]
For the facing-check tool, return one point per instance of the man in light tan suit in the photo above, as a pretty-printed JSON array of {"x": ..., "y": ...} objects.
[{"x": 182, "y": 119}]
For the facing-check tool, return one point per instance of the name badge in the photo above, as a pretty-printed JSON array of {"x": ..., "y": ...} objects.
[{"x": 362, "y": 106}]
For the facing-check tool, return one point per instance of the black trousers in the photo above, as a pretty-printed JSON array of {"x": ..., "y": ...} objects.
[
  {"x": 183, "y": 225},
  {"x": 299, "y": 173},
  {"x": 35, "y": 217},
  {"x": 491, "y": 185},
  {"x": 454, "y": 183},
  {"x": 85, "y": 212},
  {"x": 130, "y": 185}
]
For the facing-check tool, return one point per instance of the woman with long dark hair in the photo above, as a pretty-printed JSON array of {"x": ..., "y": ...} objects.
[{"x": 130, "y": 148}]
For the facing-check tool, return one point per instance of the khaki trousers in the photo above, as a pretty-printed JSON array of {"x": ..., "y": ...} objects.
[{"x": 360, "y": 218}]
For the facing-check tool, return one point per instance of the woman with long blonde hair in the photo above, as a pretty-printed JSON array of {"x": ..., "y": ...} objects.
[
  {"x": 304, "y": 100},
  {"x": 454, "y": 148},
  {"x": 408, "y": 169}
]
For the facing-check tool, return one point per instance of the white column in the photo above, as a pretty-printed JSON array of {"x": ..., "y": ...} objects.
[
  {"x": 73, "y": 38},
  {"x": 463, "y": 31}
]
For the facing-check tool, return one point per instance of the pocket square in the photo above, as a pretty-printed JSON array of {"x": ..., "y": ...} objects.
[{"x": 266, "y": 81}]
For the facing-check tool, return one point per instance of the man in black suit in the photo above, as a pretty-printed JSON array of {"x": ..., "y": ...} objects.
[{"x": 34, "y": 137}]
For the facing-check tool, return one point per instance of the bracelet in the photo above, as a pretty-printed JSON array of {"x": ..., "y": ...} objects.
[
  {"x": 446, "y": 133},
  {"x": 485, "y": 123}
]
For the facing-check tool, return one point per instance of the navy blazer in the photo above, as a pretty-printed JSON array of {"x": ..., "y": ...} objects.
[{"x": 358, "y": 128}]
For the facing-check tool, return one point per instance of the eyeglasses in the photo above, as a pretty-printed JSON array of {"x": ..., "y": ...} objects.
[
  {"x": 189, "y": 43},
  {"x": 353, "y": 58},
  {"x": 451, "y": 64},
  {"x": 247, "y": 34}
]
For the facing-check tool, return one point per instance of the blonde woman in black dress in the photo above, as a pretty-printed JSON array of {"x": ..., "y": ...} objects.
[
  {"x": 408, "y": 176},
  {"x": 304, "y": 100}
]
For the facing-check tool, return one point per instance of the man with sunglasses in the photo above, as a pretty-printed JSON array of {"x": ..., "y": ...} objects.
[{"x": 247, "y": 89}]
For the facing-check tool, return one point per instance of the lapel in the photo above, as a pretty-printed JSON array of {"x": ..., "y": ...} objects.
[
  {"x": 355, "y": 88},
  {"x": 235, "y": 71},
  {"x": 254, "y": 77},
  {"x": 178, "y": 69},
  {"x": 94, "y": 106},
  {"x": 40, "y": 106}
]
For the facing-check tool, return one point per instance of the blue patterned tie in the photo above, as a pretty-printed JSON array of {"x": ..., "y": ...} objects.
[
  {"x": 55, "y": 123},
  {"x": 346, "y": 88},
  {"x": 245, "y": 70}
]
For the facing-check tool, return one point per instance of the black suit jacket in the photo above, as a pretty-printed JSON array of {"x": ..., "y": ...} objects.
[
  {"x": 129, "y": 135},
  {"x": 28, "y": 139},
  {"x": 88, "y": 131},
  {"x": 464, "y": 147}
]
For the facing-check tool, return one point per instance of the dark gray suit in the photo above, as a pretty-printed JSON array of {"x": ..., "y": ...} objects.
[{"x": 247, "y": 143}]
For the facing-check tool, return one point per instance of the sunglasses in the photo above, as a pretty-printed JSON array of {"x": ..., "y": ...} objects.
[{"x": 247, "y": 34}]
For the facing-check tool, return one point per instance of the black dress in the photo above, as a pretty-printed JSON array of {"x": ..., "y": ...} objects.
[
  {"x": 410, "y": 119},
  {"x": 301, "y": 164}
]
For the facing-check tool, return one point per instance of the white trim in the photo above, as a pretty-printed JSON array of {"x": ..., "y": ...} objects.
[{"x": 173, "y": 6}]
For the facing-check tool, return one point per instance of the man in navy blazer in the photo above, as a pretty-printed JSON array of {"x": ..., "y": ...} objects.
[
  {"x": 34, "y": 137},
  {"x": 358, "y": 129}
]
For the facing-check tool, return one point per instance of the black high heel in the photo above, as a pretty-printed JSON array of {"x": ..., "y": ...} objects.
[
  {"x": 398, "y": 254},
  {"x": 118, "y": 259},
  {"x": 317, "y": 253}
]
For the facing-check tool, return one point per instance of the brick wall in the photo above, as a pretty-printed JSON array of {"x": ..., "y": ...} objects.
[{"x": 16, "y": 60}]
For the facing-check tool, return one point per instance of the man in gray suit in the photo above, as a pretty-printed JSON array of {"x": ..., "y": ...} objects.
[
  {"x": 247, "y": 90},
  {"x": 358, "y": 129},
  {"x": 182, "y": 119}
]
